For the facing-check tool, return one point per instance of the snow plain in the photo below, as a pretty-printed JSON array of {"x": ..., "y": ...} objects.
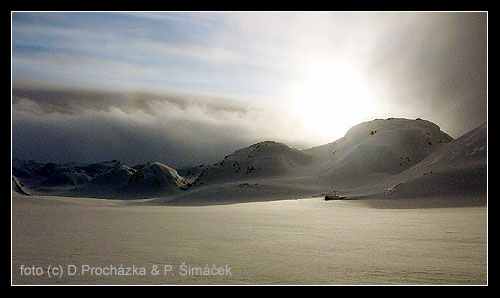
[{"x": 415, "y": 213}]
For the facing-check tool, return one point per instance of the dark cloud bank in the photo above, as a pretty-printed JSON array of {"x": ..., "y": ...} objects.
[{"x": 89, "y": 126}]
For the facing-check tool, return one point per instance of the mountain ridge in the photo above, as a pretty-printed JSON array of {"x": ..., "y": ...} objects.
[{"x": 376, "y": 152}]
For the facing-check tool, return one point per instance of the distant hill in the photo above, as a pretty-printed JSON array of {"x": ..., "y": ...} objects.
[
  {"x": 144, "y": 181},
  {"x": 386, "y": 146},
  {"x": 109, "y": 179},
  {"x": 264, "y": 159}
]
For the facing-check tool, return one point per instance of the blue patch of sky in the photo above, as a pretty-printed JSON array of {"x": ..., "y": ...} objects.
[{"x": 124, "y": 37}]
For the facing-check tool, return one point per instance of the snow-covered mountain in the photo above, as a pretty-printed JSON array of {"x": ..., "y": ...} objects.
[
  {"x": 109, "y": 179},
  {"x": 144, "y": 181},
  {"x": 386, "y": 146},
  {"x": 367, "y": 159},
  {"x": 109, "y": 184},
  {"x": 58, "y": 175},
  {"x": 155, "y": 175},
  {"x": 264, "y": 159},
  {"x": 390, "y": 158}
]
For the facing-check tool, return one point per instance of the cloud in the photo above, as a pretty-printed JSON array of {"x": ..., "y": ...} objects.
[
  {"x": 433, "y": 65},
  {"x": 206, "y": 52},
  {"x": 179, "y": 129}
]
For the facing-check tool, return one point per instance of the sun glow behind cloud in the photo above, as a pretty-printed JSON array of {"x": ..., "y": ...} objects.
[{"x": 331, "y": 99}]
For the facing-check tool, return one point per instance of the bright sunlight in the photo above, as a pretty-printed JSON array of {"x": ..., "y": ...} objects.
[{"x": 332, "y": 99}]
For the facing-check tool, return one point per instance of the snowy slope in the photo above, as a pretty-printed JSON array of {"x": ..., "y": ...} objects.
[
  {"x": 265, "y": 159},
  {"x": 107, "y": 184},
  {"x": 154, "y": 175},
  {"x": 466, "y": 151},
  {"x": 459, "y": 168},
  {"x": 109, "y": 179},
  {"x": 190, "y": 173},
  {"x": 47, "y": 175},
  {"x": 122, "y": 181},
  {"x": 19, "y": 187},
  {"x": 380, "y": 146},
  {"x": 366, "y": 159}
]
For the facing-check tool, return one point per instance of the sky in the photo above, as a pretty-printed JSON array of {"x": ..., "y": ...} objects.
[{"x": 188, "y": 88}]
